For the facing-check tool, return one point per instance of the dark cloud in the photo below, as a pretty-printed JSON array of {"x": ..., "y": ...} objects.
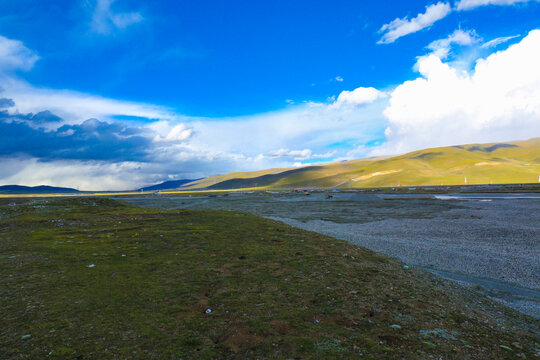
[
  {"x": 39, "y": 118},
  {"x": 91, "y": 140},
  {"x": 5, "y": 103},
  {"x": 45, "y": 117}
]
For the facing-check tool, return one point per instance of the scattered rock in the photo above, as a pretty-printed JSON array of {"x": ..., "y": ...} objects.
[
  {"x": 439, "y": 333},
  {"x": 429, "y": 344}
]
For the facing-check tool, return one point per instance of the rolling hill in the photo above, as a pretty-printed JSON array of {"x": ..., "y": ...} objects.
[
  {"x": 173, "y": 184},
  {"x": 497, "y": 163}
]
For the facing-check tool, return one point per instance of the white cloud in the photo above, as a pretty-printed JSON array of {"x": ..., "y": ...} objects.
[
  {"x": 401, "y": 27},
  {"x": 498, "y": 41},
  {"x": 339, "y": 79},
  {"x": 295, "y": 154},
  {"x": 359, "y": 96},
  {"x": 105, "y": 20},
  {"x": 177, "y": 133},
  {"x": 472, "y": 4},
  {"x": 311, "y": 125},
  {"x": 498, "y": 101},
  {"x": 441, "y": 48},
  {"x": 15, "y": 56},
  {"x": 302, "y": 155}
]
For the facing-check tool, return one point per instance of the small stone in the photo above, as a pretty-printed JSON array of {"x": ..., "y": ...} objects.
[
  {"x": 90, "y": 266},
  {"x": 395, "y": 326},
  {"x": 506, "y": 347},
  {"x": 429, "y": 344},
  {"x": 27, "y": 336}
]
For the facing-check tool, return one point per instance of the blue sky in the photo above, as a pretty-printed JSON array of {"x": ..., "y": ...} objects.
[{"x": 177, "y": 89}]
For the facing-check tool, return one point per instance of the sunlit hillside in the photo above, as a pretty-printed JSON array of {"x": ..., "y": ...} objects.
[{"x": 497, "y": 163}]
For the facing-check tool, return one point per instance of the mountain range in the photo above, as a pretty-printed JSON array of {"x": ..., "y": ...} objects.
[
  {"x": 41, "y": 189},
  {"x": 497, "y": 163},
  {"x": 493, "y": 163}
]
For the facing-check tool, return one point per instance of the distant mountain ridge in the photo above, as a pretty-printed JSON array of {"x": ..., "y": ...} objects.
[
  {"x": 167, "y": 185},
  {"x": 41, "y": 189},
  {"x": 497, "y": 163}
]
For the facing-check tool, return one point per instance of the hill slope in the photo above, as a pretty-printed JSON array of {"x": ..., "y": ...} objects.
[
  {"x": 173, "y": 184},
  {"x": 498, "y": 163}
]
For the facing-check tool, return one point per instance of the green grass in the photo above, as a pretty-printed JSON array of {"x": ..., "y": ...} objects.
[
  {"x": 515, "y": 162},
  {"x": 275, "y": 291}
]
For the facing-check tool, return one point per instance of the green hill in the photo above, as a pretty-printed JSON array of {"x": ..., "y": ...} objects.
[{"x": 497, "y": 163}]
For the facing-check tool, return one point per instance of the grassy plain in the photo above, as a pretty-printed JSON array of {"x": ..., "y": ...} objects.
[{"x": 92, "y": 278}]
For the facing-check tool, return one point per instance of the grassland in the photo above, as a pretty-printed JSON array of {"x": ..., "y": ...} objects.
[
  {"x": 92, "y": 278},
  {"x": 497, "y": 163}
]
